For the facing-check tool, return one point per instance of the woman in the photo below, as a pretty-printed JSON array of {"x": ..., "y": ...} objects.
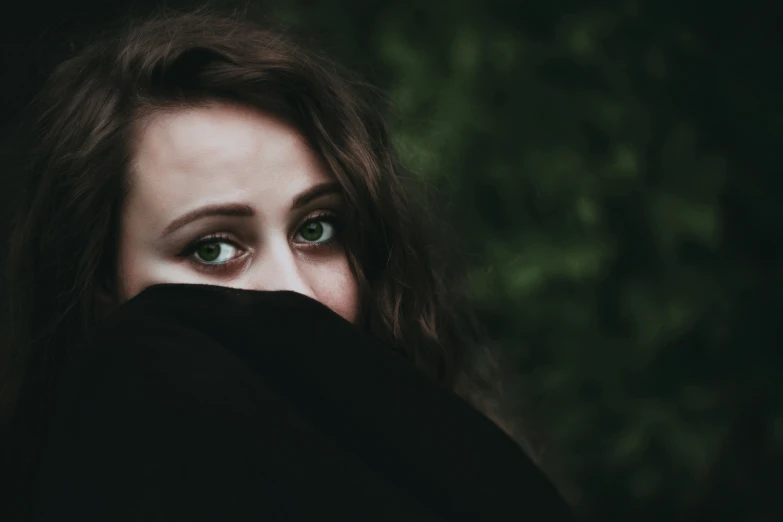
[{"x": 193, "y": 152}]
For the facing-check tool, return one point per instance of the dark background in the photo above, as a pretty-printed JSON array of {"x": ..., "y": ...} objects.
[{"x": 613, "y": 168}]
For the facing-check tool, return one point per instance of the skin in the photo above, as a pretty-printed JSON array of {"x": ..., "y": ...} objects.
[{"x": 224, "y": 155}]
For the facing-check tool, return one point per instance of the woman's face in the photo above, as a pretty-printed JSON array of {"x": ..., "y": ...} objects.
[{"x": 226, "y": 195}]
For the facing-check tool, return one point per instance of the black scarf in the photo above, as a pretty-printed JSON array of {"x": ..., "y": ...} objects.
[{"x": 195, "y": 403}]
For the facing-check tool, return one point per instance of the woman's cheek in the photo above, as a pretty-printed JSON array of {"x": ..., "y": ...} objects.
[{"x": 335, "y": 286}]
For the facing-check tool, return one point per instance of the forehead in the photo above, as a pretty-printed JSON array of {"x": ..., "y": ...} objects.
[{"x": 184, "y": 158}]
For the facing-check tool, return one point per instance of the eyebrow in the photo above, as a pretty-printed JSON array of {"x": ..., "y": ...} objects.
[
  {"x": 241, "y": 210},
  {"x": 316, "y": 191},
  {"x": 232, "y": 209}
]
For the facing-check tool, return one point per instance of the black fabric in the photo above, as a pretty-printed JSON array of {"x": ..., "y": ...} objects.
[{"x": 205, "y": 403}]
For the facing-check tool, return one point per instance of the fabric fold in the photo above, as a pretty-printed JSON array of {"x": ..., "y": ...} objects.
[{"x": 196, "y": 402}]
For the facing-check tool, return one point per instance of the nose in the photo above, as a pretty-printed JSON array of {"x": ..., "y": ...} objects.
[{"x": 279, "y": 270}]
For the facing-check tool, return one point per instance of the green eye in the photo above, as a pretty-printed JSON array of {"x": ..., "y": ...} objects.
[
  {"x": 209, "y": 252},
  {"x": 317, "y": 231},
  {"x": 215, "y": 252}
]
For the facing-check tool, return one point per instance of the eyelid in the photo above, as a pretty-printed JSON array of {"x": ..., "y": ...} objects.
[
  {"x": 219, "y": 237},
  {"x": 319, "y": 215}
]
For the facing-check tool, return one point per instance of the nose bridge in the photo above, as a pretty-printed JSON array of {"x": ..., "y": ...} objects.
[{"x": 278, "y": 270}]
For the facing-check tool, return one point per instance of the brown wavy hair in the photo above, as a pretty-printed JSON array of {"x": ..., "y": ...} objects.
[{"x": 71, "y": 185}]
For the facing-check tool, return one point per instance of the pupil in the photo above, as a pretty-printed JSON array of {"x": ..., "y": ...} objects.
[
  {"x": 313, "y": 231},
  {"x": 209, "y": 252}
]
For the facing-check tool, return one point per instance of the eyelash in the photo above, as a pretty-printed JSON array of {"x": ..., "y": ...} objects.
[
  {"x": 331, "y": 218},
  {"x": 189, "y": 251}
]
